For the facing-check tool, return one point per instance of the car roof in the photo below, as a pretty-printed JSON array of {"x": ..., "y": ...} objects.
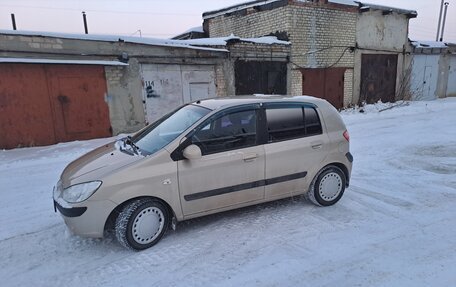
[{"x": 226, "y": 102}]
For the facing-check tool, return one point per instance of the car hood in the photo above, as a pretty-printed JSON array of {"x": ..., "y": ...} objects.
[{"x": 97, "y": 164}]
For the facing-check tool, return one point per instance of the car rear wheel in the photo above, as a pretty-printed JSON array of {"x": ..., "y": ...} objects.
[
  {"x": 141, "y": 224},
  {"x": 327, "y": 187}
]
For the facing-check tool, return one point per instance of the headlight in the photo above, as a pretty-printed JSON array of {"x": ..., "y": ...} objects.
[{"x": 80, "y": 192}]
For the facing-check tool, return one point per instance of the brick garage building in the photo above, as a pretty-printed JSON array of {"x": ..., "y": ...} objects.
[
  {"x": 327, "y": 37},
  {"x": 64, "y": 87}
]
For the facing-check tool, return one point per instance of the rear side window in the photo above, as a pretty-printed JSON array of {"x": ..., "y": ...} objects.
[
  {"x": 292, "y": 122},
  {"x": 285, "y": 123}
]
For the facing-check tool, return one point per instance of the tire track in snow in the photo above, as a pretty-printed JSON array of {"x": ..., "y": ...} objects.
[{"x": 186, "y": 248}]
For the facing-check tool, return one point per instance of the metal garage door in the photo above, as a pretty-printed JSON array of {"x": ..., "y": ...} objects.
[
  {"x": 260, "y": 77},
  {"x": 424, "y": 76},
  {"x": 44, "y": 104},
  {"x": 166, "y": 87},
  {"x": 378, "y": 78},
  {"x": 327, "y": 84}
]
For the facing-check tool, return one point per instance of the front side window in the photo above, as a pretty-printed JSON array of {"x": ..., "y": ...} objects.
[
  {"x": 168, "y": 128},
  {"x": 227, "y": 132}
]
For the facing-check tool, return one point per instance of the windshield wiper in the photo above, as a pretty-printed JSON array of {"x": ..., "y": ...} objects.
[{"x": 130, "y": 142}]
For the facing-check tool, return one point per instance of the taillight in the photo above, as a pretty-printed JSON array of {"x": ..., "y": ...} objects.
[{"x": 346, "y": 135}]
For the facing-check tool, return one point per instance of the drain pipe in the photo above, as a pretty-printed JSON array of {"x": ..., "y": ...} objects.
[
  {"x": 444, "y": 20},
  {"x": 84, "y": 17},
  {"x": 13, "y": 20},
  {"x": 440, "y": 21}
]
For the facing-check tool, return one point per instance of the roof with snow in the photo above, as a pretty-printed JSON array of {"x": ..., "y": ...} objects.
[
  {"x": 243, "y": 6},
  {"x": 262, "y": 5},
  {"x": 429, "y": 44},
  {"x": 207, "y": 44},
  {"x": 223, "y": 41},
  {"x": 386, "y": 9},
  {"x": 55, "y": 61},
  {"x": 199, "y": 30},
  {"x": 114, "y": 38}
]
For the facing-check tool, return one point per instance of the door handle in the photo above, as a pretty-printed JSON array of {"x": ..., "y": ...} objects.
[
  {"x": 250, "y": 157},
  {"x": 316, "y": 145}
]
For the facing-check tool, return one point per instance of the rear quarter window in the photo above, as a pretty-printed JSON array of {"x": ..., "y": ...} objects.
[{"x": 312, "y": 121}]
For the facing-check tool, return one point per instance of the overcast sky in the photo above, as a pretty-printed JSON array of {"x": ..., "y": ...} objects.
[{"x": 163, "y": 19}]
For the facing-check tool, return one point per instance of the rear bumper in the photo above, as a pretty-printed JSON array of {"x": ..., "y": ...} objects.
[{"x": 349, "y": 156}]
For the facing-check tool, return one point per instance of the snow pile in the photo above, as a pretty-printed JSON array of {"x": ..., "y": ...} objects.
[
  {"x": 393, "y": 227},
  {"x": 373, "y": 108}
]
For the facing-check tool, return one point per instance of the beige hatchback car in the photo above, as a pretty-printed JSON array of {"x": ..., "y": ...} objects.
[{"x": 206, "y": 157}]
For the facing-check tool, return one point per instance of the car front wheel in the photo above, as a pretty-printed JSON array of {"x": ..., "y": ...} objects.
[
  {"x": 141, "y": 224},
  {"x": 327, "y": 187}
]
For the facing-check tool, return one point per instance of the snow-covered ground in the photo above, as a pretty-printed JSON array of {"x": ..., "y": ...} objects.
[{"x": 395, "y": 225}]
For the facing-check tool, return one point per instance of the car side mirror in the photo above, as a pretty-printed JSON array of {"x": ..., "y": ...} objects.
[{"x": 192, "y": 152}]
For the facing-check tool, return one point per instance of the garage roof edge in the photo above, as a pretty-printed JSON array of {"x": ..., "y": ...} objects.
[{"x": 56, "y": 61}]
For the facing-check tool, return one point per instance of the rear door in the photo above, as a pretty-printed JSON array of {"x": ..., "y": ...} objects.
[
  {"x": 295, "y": 146},
  {"x": 231, "y": 170}
]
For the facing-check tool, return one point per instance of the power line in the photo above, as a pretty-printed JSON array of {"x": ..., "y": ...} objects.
[{"x": 103, "y": 11}]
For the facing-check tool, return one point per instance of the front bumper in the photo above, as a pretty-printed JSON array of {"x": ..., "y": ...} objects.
[
  {"x": 69, "y": 212},
  {"x": 85, "y": 219}
]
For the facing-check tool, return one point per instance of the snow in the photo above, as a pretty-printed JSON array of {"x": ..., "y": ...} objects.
[
  {"x": 268, "y": 40},
  {"x": 345, "y": 2},
  {"x": 395, "y": 225},
  {"x": 191, "y": 44},
  {"x": 364, "y": 5},
  {"x": 429, "y": 44},
  {"x": 52, "y": 61},
  {"x": 223, "y": 41},
  {"x": 198, "y": 29},
  {"x": 234, "y": 8}
]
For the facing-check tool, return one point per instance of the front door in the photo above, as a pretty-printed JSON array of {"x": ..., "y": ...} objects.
[{"x": 231, "y": 169}]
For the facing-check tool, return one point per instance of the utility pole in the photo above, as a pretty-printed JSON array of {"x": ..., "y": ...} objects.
[
  {"x": 440, "y": 21},
  {"x": 444, "y": 20},
  {"x": 84, "y": 18}
]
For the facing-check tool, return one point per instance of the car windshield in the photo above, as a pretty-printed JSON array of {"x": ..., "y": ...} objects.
[{"x": 165, "y": 130}]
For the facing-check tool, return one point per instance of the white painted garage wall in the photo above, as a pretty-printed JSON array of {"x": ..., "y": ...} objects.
[
  {"x": 424, "y": 77},
  {"x": 166, "y": 87},
  {"x": 451, "y": 87}
]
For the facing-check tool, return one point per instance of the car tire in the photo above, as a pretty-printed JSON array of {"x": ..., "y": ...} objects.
[
  {"x": 327, "y": 187},
  {"x": 142, "y": 223}
]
